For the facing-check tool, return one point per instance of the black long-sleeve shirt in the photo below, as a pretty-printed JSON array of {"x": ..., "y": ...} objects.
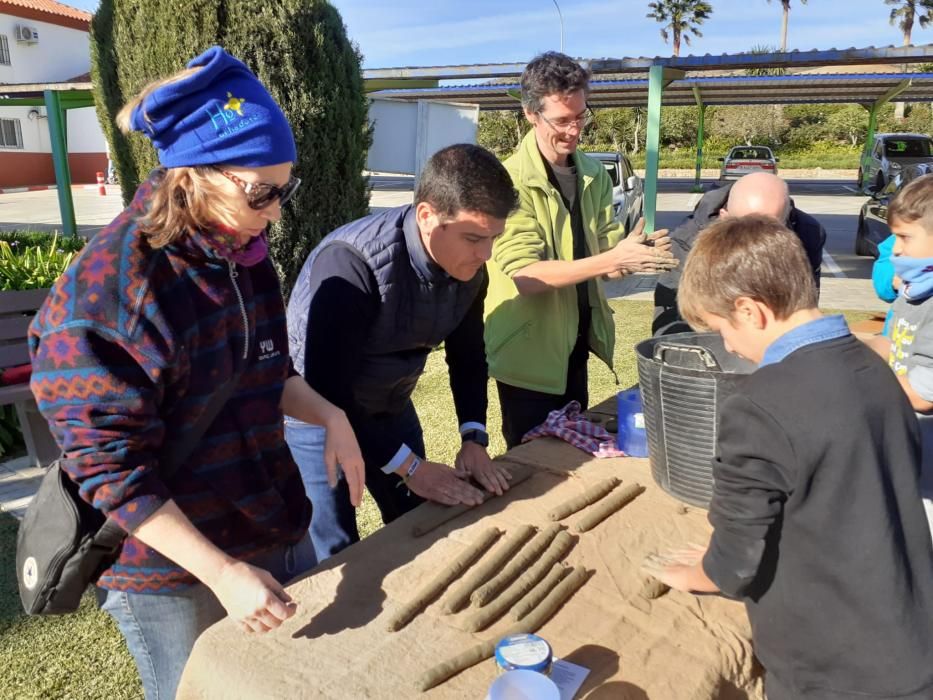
[
  {"x": 820, "y": 529},
  {"x": 345, "y": 303}
]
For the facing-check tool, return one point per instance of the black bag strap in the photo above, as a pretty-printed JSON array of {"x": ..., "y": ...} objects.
[{"x": 173, "y": 456}]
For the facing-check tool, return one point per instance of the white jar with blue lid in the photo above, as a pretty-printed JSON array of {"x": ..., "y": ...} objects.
[{"x": 524, "y": 652}]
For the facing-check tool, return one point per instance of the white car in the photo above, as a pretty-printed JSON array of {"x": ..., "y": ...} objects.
[
  {"x": 743, "y": 160},
  {"x": 628, "y": 193}
]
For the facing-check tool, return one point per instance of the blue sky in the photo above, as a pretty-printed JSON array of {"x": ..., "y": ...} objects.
[{"x": 443, "y": 32}]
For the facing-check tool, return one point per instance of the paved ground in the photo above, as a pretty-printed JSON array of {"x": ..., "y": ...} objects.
[
  {"x": 846, "y": 281},
  {"x": 19, "y": 480}
]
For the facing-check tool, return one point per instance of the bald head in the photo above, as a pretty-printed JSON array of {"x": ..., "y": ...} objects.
[{"x": 758, "y": 193}]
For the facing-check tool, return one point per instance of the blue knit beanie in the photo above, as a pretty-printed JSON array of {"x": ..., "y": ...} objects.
[{"x": 221, "y": 114}]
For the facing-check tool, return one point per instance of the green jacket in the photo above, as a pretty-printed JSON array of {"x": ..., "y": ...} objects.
[{"x": 529, "y": 338}]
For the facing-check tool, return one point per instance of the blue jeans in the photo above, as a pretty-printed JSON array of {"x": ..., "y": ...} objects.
[
  {"x": 333, "y": 518},
  {"x": 161, "y": 629}
]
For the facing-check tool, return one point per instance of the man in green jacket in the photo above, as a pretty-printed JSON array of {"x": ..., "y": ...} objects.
[{"x": 545, "y": 308}]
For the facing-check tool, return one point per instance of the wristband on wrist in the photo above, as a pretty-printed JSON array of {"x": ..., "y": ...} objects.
[{"x": 412, "y": 468}]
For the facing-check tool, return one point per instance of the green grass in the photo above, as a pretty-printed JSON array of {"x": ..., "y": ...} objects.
[
  {"x": 74, "y": 656},
  {"x": 841, "y": 158},
  {"x": 83, "y": 655}
]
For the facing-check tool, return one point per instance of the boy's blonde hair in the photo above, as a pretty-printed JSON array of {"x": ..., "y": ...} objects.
[
  {"x": 184, "y": 199},
  {"x": 914, "y": 203},
  {"x": 751, "y": 256}
]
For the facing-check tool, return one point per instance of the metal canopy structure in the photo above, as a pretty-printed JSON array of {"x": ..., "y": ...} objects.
[
  {"x": 601, "y": 66},
  {"x": 661, "y": 80},
  {"x": 685, "y": 81},
  {"x": 57, "y": 98},
  {"x": 721, "y": 90}
]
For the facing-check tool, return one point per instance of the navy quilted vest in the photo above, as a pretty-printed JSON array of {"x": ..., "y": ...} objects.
[{"x": 420, "y": 306}]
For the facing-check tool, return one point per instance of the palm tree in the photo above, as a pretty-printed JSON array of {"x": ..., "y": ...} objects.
[
  {"x": 904, "y": 14},
  {"x": 785, "y": 5},
  {"x": 762, "y": 49},
  {"x": 681, "y": 17}
]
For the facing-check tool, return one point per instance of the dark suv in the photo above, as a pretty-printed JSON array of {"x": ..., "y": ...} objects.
[
  {"x": 888, "y": 155},
  {"x": 873, "y": 220}
]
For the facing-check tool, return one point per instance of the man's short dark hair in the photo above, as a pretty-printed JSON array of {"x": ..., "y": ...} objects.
[
  {"x": 464, "y": 177},
  {"x": 552, "y": 73}
]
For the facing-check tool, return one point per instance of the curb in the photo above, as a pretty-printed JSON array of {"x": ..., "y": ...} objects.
[
  {"x": 111, "y": 189},
  {"x": 31, "y": 188}
]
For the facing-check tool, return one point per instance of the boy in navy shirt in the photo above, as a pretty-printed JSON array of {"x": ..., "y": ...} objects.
[{"x": 817, "y": 521}]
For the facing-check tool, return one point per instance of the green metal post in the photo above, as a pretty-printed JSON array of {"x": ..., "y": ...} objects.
[
  {"x": 869, "y": 137},
  {"x": 873, "y": 121},
  {"x": 652, "y": 141},
  {"x": 700, "y": 133},
  {"x": 58, "y": 135}
]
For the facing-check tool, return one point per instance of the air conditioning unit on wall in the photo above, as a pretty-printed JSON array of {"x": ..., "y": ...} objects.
[{"x": 26, "y": 34}]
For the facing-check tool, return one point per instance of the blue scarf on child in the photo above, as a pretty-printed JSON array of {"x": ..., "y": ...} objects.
[{"x": 916, "y": 277}]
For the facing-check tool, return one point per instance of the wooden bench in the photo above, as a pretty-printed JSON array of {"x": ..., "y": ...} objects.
[{"x": 16, "y": 312}]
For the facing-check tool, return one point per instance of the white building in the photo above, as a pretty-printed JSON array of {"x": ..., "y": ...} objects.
[{"x": 42, "y": 41}]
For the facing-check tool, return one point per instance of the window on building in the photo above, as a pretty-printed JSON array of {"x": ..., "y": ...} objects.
[
  {"x": 11, "y": 133},
  {"x": 4, "y": 51}
]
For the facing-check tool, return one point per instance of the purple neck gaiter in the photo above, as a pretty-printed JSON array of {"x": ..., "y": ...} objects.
[
  {"x": 252, "y": 253},
  {"x": 223, "y": 241}
]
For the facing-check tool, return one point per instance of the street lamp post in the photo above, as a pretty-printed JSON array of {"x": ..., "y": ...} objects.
[{"x": 561, "y": 17}]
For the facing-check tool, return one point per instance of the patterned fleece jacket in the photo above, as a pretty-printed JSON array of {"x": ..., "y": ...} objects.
[{"x": 127, "y": 351}]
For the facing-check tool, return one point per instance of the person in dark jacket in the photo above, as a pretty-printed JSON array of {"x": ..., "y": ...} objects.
[
  {"x": 372, "y": 301},
  {"x": 818, "y": 525},
  {"x": 173, "y": 300},
  {"x": 757, "y": 193}
]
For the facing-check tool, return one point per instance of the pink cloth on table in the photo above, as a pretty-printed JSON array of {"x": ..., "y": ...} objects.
[{"x": 569, "y": 425}]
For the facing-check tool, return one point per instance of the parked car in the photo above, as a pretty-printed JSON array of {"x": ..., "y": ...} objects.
[
  {"x": 873, "y": 219},
  {"x": 742, "y": 160},
  {"x": 890, "y": 153},
  {"x": 628, "y": 192}
]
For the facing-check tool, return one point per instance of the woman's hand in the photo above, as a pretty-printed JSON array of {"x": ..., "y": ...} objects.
[
  {"x": 252, "y": 597},
  {"x": 341, "y": 448}
]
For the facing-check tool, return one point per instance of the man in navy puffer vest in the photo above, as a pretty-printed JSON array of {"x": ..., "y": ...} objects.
[{"x": 370, "y": 304}]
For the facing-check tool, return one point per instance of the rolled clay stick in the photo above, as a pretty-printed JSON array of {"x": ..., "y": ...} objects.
[
  {"x": 602, "y": 510},
  {"x": 528, "y": 554},
  {"x": 588, "y": 497},
  {"x": 505, "y": 600},
  {"x": 536, "y": 594},
  {"x": 460, "y": 597},
  {"x": 432, "y": 590},
  {"x": 472, "y": 656},
  {"x": 436, "y": 514}
]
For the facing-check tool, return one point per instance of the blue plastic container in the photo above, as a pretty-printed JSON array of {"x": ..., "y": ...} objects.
[{"x": 631, "y": 438}]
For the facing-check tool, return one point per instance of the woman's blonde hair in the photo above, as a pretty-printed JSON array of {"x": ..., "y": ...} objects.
[{"x": 184, "y": 199}]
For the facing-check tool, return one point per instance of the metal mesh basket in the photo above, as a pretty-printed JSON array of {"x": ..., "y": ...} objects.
[{"x": 684, "y": 378}]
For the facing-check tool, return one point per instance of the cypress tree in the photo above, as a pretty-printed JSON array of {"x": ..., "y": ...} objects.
[{"x": 299, "y": 50}]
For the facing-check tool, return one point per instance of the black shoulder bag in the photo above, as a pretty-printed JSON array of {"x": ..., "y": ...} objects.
[{"x": 64, "y": 544}]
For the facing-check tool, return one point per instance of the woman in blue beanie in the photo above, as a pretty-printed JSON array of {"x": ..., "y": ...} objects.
[{"x": 173, "y": 300}]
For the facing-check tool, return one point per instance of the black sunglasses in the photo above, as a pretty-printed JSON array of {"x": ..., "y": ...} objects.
[{"x": 260, "y": 195}]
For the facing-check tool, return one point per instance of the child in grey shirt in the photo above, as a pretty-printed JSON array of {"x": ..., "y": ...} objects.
[{"x": 909, "y": 350}]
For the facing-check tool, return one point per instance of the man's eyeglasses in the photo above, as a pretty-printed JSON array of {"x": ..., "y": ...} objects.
[
  {"x": 260, "y": 195},
  {"x": 563, "y": 125}
]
